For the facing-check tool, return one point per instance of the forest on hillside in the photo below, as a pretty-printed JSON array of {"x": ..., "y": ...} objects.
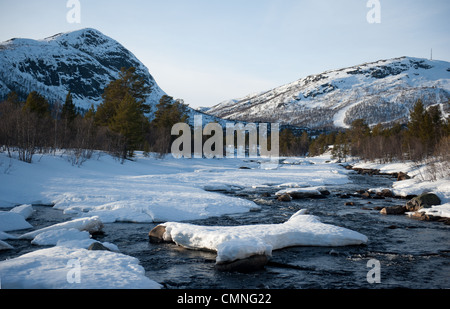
[{"x": 120, "y": 126}]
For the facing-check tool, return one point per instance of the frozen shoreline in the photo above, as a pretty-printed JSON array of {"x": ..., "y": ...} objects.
[
  {"x": 415, "y": 185},
  {"x": 147, "y": 190}
]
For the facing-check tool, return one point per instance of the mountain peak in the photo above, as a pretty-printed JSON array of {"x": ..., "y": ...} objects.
[
  {"x": 83, "y": 62},
  {"x": 380, "y": 92},
  {"x": 76, "y": 34}
]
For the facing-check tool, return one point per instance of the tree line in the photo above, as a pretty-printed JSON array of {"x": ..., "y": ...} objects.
[
  {"x": 427, "y": 134},
  {"x": 119, "y": 125}
]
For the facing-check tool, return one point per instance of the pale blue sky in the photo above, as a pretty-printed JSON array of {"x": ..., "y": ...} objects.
[{"x": 207, "y": 51}]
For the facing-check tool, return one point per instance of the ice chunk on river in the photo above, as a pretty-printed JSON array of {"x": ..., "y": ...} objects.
[
  {"x": 239, "y": 242},
  {"x": 91, "y": 225},
  {"x": 74, "y": 268}
]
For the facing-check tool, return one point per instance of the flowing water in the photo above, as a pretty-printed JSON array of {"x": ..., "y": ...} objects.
[{"x": 411, "y": 254}]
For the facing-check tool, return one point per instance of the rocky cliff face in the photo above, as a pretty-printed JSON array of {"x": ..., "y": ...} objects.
[
  {"x": 83, "y": 62},
  {"x": 379, "y": 92}
]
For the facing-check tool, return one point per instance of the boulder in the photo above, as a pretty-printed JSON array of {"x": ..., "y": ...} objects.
[
  {"x": 98, "y": 246},
  {"x": 385, "y": 193},
  {"x": 324, "y": 192},
  {"x": 423, "y": 216},
  {"x": 303, "y": 195},
  {"x": 365, "y": 194},
  {"x": 425, "y": 200},
  {"x": 402, "y": 176},
  {"x": 394, "y": 210},
  {"x": 156, "y": 235},
  {"x": 247, "y": 265},
  {"x": 367, "y": 171},
  {"x": 284, "y": 198}
]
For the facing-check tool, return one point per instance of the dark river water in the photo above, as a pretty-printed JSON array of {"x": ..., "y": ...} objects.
[{"x": 411, "y": 254}]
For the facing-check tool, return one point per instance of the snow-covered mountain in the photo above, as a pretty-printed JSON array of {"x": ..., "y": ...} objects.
[
  {"x": 379, "y": 92},
  {"x": 82, "y": 61}
]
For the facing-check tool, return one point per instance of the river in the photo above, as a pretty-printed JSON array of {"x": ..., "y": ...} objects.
[{"x": 410, "y": 253}]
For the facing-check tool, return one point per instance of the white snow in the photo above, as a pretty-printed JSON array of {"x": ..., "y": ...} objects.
[
  {"x": 416, "y": 185},
  {"x": 144, "y": 190},
  {"x": 52, "y": 237},
  {"x": 73, "y": 50},
  {"x": 61, "y": 267},
  {"x": 440, "y": 210},
  {"x": 24, "y": 210},
  {"x": 4, "y": 236},
  {"x": 307, "y": 191},
  {"x": 337, "y": 97},
  {"x": 159, "y": 190},
  {"x": 91, "y": 225},
  {"x": 11, "y": 221},
  {"x": 238, "y": 242},
  {"x": 5, "y": 245},
  {"x": 151, "y": 190}
]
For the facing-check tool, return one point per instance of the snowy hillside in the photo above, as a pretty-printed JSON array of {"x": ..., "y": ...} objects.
[
  {"x": 382, "y": 91},
  {"x": 82, "y": 61}
]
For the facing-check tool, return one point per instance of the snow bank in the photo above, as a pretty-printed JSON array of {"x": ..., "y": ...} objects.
[
  {"x": 53, "y": 268},
  {"x": 11, "y": 221},
  {"x": 91, "y": 225},
  {"x": 72, "y": 268},
  {"x": 394, "y": 167},
  {"x": 438, "y": 211},
  {"x": 4, "y": 236},
  {"x": 24, "y": 210},
  {"x": 301, "y": 192},
  {"x": 239, "y": 242},
  {"x": 5, "y": 246},
  {"x": 415, "y": 186},
  {"x": 146, "y": 190},
  {"x": 151, "y": 190}
]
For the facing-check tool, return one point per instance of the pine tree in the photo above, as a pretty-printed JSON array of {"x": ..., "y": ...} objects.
[
  {"x": 416, "y": 118},
  {"x": 90, "y": 114},
  {"x": 169, "y": 112},
  {"x": 424, "y": 130},
  {"x": 341, "y": 148},
  {"x": 127, "y": 83},
  {"x": 69, "y": 111},
  {"x": 358, "y": 134},
  {"x": 36, "y": 103},
  {"x": 130, "y": 123},
  {"x": 286, "y": 140},
  {"x": 13, "y": 98}
]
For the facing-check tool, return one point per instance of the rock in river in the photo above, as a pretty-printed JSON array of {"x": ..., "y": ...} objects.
[{"x": 425, "y": 200}]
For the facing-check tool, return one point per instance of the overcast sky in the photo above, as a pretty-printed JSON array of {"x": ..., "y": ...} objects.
[{"x": 208, "y": 51}]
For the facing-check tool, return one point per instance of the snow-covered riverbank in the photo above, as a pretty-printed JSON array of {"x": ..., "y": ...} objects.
[
  {"x": 146, "y": 190},
  {"x": 416, "y": 185}
]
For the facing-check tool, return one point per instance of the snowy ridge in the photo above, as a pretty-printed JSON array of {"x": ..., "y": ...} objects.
[
  {"x": 380, "y": 92},
  {"x": 83, "y": 62}
]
